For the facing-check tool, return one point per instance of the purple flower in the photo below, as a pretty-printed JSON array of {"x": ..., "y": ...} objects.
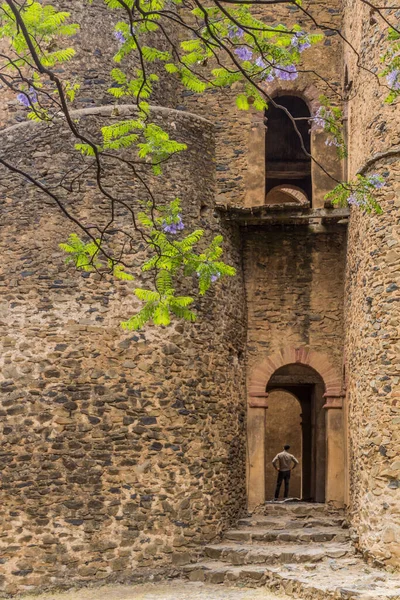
[
  {"x": 287, "y": 72},
  {"x": 174, "y": 227},
  {"x": 376, "y": 181},
  {"x": 244, "y": 53},
  {"x": 304, "y": 44},
  {"x": 28, "y": 98},
  {"x": 319, "y": 119},
  {"x": 23, "y": 99},
  {"x": 119, "y": 36},
  {"x": 353, "y": 200},
  {"x": 215, "y": 277},
  {"x": 235, "y": 32},
  {"x": 266, "y": 76},
  {"x": 393, "y": 79},
  {"x": 300, "y": 41},
  {"x": 332, "y": 142}
]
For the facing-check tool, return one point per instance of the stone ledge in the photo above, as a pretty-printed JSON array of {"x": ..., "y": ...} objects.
[
  {"x": 109, "y": 110},
  {"x": 290, "y": 213}
]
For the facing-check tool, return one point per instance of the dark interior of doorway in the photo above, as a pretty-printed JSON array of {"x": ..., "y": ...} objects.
[
  {"x": 285, "y": 159},
  {"x": 308, "y": 387}
]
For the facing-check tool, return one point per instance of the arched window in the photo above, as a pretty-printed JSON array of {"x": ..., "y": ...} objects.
[{"x": 288, "y": 168}]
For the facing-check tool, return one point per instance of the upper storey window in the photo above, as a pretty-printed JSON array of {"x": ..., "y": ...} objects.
[{"x": 288, "y": 168}]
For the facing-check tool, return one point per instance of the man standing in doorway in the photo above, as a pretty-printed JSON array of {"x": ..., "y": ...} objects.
[{"x": 284, "y": 463}]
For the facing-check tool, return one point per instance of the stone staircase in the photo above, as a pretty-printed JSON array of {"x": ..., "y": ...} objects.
[{"x": 303, "y": 550}]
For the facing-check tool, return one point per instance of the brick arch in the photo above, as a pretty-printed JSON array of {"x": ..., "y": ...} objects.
[
  {"x": 321, "y": 363},
  {"x": 307, "y": 92}
]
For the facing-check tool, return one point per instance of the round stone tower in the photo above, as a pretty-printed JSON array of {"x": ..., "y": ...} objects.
[{"x": 121, "y": 451}]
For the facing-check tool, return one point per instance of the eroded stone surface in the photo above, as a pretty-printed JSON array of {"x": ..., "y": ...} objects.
[
  {"x": 306, "y": 569},
  {"x": 175, "y": 590}
]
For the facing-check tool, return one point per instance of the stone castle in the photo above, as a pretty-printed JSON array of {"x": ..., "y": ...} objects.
[{"x": 122, "y": 453}]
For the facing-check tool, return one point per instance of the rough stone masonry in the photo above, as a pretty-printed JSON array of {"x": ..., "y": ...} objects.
[{"x": 121, "y": 453}]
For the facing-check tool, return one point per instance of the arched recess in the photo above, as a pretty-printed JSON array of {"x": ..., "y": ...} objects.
[
  {"x": 287, "y": 194},
  {"x": 255, "y": 178},
  {"x": 307, "y": 386},
  {"x": 331, "y": 396},
  {"x": 288, "y": 146}
]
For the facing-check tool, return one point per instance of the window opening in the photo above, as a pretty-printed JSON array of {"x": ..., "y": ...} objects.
[{"x": 288, "y": 168}]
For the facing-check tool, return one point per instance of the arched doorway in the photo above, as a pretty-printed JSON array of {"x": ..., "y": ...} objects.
[
  {"x": 316, "y": 385},
  {"x": 299, "y": 422}
]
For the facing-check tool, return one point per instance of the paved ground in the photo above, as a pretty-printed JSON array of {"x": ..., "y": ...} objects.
[{"x": 163, "y": 591}]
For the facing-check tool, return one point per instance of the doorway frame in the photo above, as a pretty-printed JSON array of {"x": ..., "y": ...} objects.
[{"x": 334, "y": 432}]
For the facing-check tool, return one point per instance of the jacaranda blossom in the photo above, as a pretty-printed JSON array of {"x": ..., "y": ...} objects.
[
  {"x": 235, "y": 32},
  {"x": 353, "y": 200},
  {"x": 332, "y": 142},
  {"x": 244, "y": 53},
  {"x": 173, "y": 227},
  {"x": 376, "y": 181},
  {"x": 119, "y": 36},
  {"x": 393, "y": 79},
  {"x": 267, "y": 76},
  {"x": 300, "y": 41},
  {"x": 320, "y": 117},
  {"x": 28, "y": 98},
  {"x": 286, "y": 72}
]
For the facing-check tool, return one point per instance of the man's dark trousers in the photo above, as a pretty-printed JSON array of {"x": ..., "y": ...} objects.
[{"x": 282, "y": 476}]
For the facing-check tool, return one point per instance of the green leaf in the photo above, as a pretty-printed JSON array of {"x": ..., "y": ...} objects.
[{"x": 242, "y": 102}]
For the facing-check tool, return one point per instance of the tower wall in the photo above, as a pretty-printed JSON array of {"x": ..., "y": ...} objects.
[
  {"x": 241, "y": 135},
  {"x": 95, "y": 46},
  {"x": 372, "y": 298},
  {"x": 294, "y": 286},
  {"x": 121, "y": 451}
]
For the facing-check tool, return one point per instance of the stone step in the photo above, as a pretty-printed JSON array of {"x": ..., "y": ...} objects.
[
  {"x": 300, "y": 549},
  {"x": 345, "y": 578},
  {"x": 311, "y": 582},
  {"x": 292, "y": 521},
  {"x": 244, "y": 554},
  {"x": 219, "y": 572},
  {"x": 298, "y": 509},
  {"x": 301, "y": 536}
]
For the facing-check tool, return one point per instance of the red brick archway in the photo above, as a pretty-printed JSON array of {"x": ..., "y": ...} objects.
[{"x": 321, "y": 363}]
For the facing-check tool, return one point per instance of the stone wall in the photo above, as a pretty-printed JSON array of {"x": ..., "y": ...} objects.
[
  {"x": 95, "y": 46},
  {"x": 240, "y": 135},
  {"x": 372, "y": 297},
  {"x": 120, "y": 451},
  {"x": 294, "y": 288}
]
